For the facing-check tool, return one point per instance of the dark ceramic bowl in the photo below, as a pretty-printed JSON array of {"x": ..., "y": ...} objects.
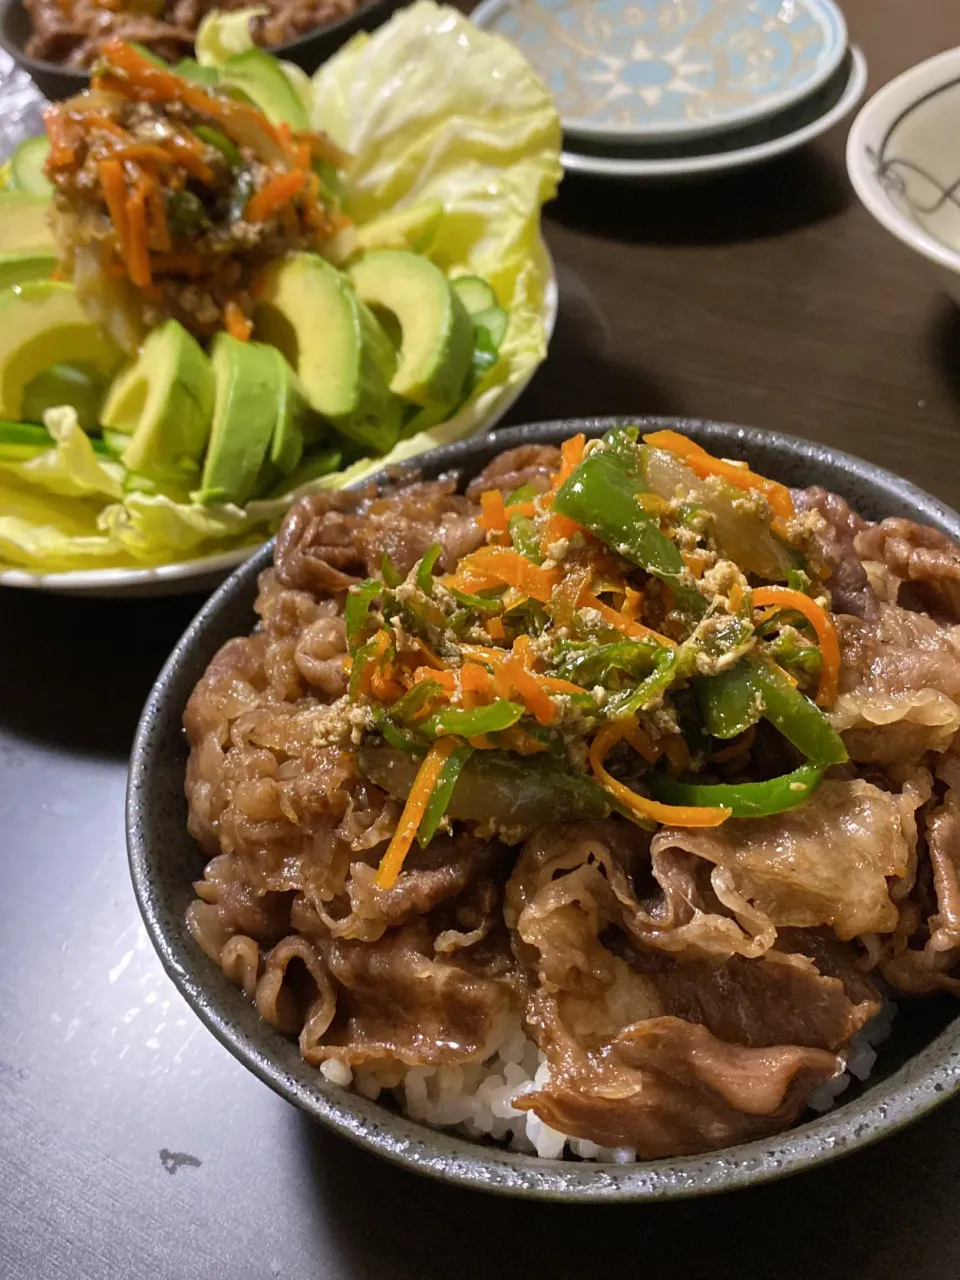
[
  {"x": 307, "y": 51},
  {"x": 917, "y": 1068}
]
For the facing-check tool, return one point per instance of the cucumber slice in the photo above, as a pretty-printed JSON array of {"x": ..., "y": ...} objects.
[
  {"x": 27, "y": 167},
  {"x": 475, "y": 294},
  {"x": 494, "y": 321}
]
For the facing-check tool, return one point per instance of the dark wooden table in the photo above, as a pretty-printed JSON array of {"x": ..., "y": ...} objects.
[{"x": 132, "y": 1146}]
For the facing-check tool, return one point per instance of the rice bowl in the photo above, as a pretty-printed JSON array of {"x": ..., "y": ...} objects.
[{"x": 478, "y": 1092}]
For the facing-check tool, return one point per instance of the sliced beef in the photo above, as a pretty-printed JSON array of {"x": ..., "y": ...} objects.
[
  {"x": 849, "y": 586},
  {"x": 923, "y": 558},
  {"x": 405, "y": 523},
  {"x": 825, "y": 862},
  {"x": 666, "y": 1086},
  {"x": 532, "y": 464},
  {"x": 398, "y": 1002},
  {"x": 899, "y": 686},
  {"x": 317, "y": 543}
]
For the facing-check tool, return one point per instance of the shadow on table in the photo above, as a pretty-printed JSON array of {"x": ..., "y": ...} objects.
[
  {"x": 881, "y": 1214},
  {"x": 794, "y": 191},
  {"x": 945, "y": 344},
  {"x": 96, "y": 661},
  {"x": 580, "y": 377}
]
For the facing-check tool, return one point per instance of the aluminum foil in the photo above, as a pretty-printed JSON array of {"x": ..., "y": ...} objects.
[{"x": 21, "y": 105}]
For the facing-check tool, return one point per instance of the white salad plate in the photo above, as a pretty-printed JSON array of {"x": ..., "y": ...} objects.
[
  {"x": 739, "y": 149},
  {"x": 206, "y": 572},
  {"x": 622, "y": 71}
]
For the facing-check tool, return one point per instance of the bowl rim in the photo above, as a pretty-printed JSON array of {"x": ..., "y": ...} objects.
[
  {"x": 923, "y": 1082},
  {"x": 875, "y": 119},
  {"x": 825, "y": 13},
  {"x": 28, "y": 63},
  {"x": 715, "y": 162}
]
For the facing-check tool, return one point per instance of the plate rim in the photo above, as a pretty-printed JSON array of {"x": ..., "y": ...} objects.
[
  {"x": 826, "y": 13},
  {"x": 727, "y": 161},
  {"x": 118, "y": 581},
  {"x": 920, "y": 1084}
]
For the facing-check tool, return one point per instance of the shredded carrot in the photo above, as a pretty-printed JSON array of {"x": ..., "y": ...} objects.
[
  {"x": 97, "y": 120},
  {"x": 493, "y": 514},
  {"x": 643, "y": 744},
  {"x": 239, "y": 326},
  {"x": 520, "y": 509},
  {"x": 188, "y": 155},
  {"x": 523, "y": 649},
  {"x": 822, "y": 623},
  {"x": 736, "y": 596},
  {"x": 110, "y": 173},
  {"x": 272, "y": 197},
  {"x": 476, "y": 685},
  {"x": 523, "y": 743},
  {"x": 512, "y": 677},
  {"x": 138, "y": 257},
  {"x": 705, "y": 464},
  {"x": 632, "y": 604},
  {"x": 503, "y": 564},
  {"x": 495, "y": 629},
  {"x": 695, "y": 561},
  {"x": 635, "y": 630},
  {"x": 138, "y": 152},
  {"x": 556, "y": 685},
  {"x": 677, "y": 753},
  {"x": 157, "y": 214},
  {"x": 481, "y": 743},
  {"x": 446, "y": 679},
  {"x": 668, "y": 814},
  {"x": 413, "y": 810},
  {"x": 62, "y": 150},
  {"x": 142, "y": 79},
  {"x": 571, "y": 455}
]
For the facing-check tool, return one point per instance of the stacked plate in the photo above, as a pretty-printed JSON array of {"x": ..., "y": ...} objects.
[{"x": 672, "y": 89}]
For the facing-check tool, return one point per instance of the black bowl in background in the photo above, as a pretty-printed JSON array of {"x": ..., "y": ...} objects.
[
  {"x": 917, "y": 1068},
  {"x": 307, "y": 51}
]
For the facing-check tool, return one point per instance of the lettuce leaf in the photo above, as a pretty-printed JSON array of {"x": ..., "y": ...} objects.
[{"x": 429, "y": 107}]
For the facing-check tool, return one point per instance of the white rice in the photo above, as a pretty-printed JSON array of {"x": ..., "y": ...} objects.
[{"x": 476, "y": 1099}]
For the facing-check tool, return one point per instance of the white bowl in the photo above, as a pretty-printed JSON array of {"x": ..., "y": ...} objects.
[{"x": 904, "y": 163}]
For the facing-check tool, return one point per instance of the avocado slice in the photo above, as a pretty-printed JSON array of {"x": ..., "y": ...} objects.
[
  {"x": 24, "y": 226},
  {"x": 342, "y": 357},
  {"x": 437, "y": 334},
  {"x": 264, "y": 81},
  {"x": 163, "y": 400},
  {"x": 79, "y": 385},
  {"x": 42, "y": 323},
  {"x": 18, "y": 268},
  {"x": 295, "y": 420},
  {"x": 248, "y": 385}
]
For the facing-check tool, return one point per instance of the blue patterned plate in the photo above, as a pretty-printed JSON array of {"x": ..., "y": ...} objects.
[{"x": 659, "y": 69}]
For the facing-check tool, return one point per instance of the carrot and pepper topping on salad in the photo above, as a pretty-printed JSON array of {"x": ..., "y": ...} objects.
[
  {"x": 650, "y": 636},
  {"x": 181, "y": 193}
]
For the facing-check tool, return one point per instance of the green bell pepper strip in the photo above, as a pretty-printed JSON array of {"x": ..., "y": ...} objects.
[
  {"x": 745, "y": 799},
  {"x": 526, "y": 493},
  {"x": 399, "y": 738},
  {"x": 521, "y": 790},
  {"x": 733, "y": 700},
  {"x": 359, "y": 599},
  {"x": 601, "y": 495},
  {"x": 391, "y": 576},
  {"x": 220, "y": 142},
  {"x": 479, "y": 604},
  {"x": 424, "y": 571},
  {"x": 471, "y": 724},
  {"x": 630, "y": 701},
  {"x": 590, "y": 664},
  {"x": 442, "y": 792},
  {"x": 523, "y": 534},
  {"x": 414, "y": 700}
]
